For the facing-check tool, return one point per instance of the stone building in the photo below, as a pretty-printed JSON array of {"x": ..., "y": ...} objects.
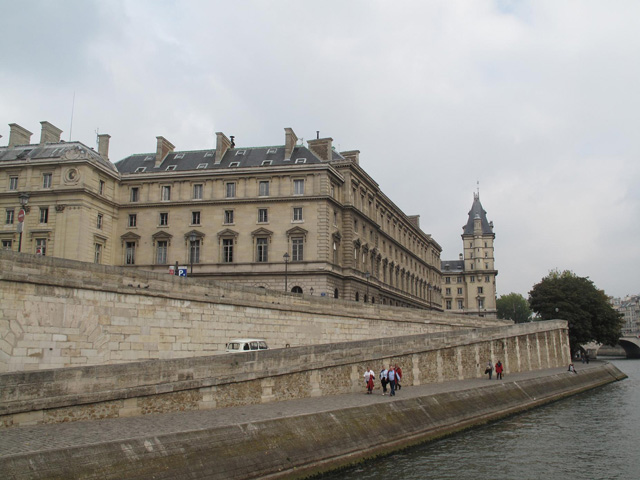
[
  {"x": 304, "y": 219},
  {"x": 629, "y": 307},
  {"x": 469, "y": 283}
]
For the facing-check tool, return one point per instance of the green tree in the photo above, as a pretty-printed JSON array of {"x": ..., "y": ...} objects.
[
  {"x": 515, "y": 307},
  {"x": 566, "y": 296}
]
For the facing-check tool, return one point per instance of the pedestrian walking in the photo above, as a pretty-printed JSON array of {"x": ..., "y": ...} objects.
[
  {"x": 489, "y": 369},
  {"x": 499, "y": 369},
  {"x": 369, "y": 376},
  {"x": 398, "y": 377},
  {"x": 384, "y": 380},
  {"x": 391, "y": 375}
]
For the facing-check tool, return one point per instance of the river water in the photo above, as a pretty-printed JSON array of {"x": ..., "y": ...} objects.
[{"x": 594, "y": 435}]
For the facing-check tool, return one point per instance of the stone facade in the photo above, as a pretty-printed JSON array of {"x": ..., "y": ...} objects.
[
  {"x": 219, "y": 381},
  {"x": 57, "y": 313},
  {"x": 227, "y": 213},
  {"x": 469, "y": 283}
]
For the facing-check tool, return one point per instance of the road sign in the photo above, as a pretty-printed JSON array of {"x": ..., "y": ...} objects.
[
  {"x": 182, "y": 271},
  {"x": 21, "y": 215}
]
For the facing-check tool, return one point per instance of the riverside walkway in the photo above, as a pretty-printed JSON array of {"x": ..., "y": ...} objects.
[{"x": 40, "y": 438}]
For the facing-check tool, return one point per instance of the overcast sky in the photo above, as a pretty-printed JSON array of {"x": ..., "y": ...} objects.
[{"x": 538, "y": 101}]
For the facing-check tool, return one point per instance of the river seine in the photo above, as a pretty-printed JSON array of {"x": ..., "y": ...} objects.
[{"x": 594, "y": 435}]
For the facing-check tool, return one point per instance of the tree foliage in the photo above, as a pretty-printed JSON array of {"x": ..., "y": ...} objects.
[
  {"x": 566, "y": 296},
  {"x": 515, "y": 307}
]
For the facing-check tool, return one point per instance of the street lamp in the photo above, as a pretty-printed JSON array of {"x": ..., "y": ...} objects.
[
  {"x": 24, "y": 201},
  {"x": 286, "y": 262},
  {"x": 192, "y": 241}
]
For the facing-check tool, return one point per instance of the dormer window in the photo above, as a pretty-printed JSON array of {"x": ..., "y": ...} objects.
[
  {"x": 241, "y": 152},
  {"x": 147, "y": 158},
  {"x": 140, "y": 169},
  {"x": 202, "y": 166},
  {"x": 180, "y": 155},
  {"x": 234, "y": 164},
  {"x": 301, "y": 160},
  {"x": 272, "y": 150},
  {"x": 208, "y": 154},
  {"x": 171, "y": 167},
  {"x": 266, "y": 162}
]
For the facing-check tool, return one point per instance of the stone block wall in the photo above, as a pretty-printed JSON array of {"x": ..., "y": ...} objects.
[
  {"x": 158, "y": 386},
  {"x": 57, "y": 313}
]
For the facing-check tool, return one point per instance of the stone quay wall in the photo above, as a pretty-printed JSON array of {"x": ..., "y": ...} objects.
[
  {"x": 58, "y": 313},
  {"x": 216, "y": 381}
]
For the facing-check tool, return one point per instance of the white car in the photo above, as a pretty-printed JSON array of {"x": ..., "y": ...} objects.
[{"x": 246, "y": 345}]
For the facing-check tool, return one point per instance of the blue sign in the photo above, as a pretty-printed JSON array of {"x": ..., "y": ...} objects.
[{"x": 182, "y": 271}]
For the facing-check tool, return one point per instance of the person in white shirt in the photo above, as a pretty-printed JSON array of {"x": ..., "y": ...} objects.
[{"x": 369, "y": 377}]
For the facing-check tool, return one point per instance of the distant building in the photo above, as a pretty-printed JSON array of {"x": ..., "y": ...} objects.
[
  {"x": 629, "y": 306},
  {"x": 302, "y": 218},
  {"x": 469, "y": 283}
]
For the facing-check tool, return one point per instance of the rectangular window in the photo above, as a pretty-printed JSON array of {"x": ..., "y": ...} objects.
[
  {"x": 472, "y": 279},
  {"x": 197, "y": 192},
  {"x": 46, "y": 180},
  {"x": 335, "y": 218},
  {"x": 448, "y": 304},
  {"x": 486, "y": 279},
  {"x": 194, "y": 251},
  {"x": 227, "y": 250},
  {"x": 97, "y": 253},
  {"x": 459, "y": 279},
  {"x": 164, "y": 219},
  {"x": 460, "y": 305},
  {"x": 448, "y": 291},
  {"x": 263, "y": 189},
  {"x": 44, "y": 214},
  {"x": 230, "y": 190},
  {"x": 41, "y": 246},
  {"x": 166, "y": 193},
  {"x": 480, "y": 290},
  {"x": 297, "y": 214},
  {"x": 262, "y": 215},
  {"x": 135, "y": 194},
  {"x": 161, "y": 252},
  {"x": 298, "y": 187},
  {"x": 262, "y": 250},
  {"x": 133, "y": 220},
  {"x": 297, "y": 249},
  {"x": 10, "y": 216},
  {"x": 6, "y": 244},
  {"x": 13, "y": 183},
  {"x": 195, "y": 218},
  {"x": 447, "y": 280},
  {"x": 480, "y": 303},
  {"x": 99, "y": 221},
  {"x": 459, "y": 291},
  {"x": 101, "y": 187},
  {"x": 228, "y": 216},
  {"x": 130, "y": 253}
]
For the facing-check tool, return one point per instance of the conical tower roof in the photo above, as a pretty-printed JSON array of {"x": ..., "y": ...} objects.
[{"x": 478, "y": 211}]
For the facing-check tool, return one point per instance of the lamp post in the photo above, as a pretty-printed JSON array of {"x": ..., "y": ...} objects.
[
  {"x": 286, "y": 263},
  {"x": 192, "y": 241},
  {"x": 24, "y": 201}
]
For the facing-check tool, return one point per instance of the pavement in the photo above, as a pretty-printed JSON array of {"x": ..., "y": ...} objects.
[{"x": 36, "y": 438}]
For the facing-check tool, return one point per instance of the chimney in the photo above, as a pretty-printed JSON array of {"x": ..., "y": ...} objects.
[
  {"x": 352, "y": 155},
  {"x": 19, "y": 135},
  {"x": 49, "y": 133},
  {"x": 163, "y": 149},
  {"x": 460, "y": 257},
  {"x": 222, "y": 145},
  {"x": 103, "y": 145},
  {"x": 321, "y": 148},
  {"x": 290, "y": 140}
]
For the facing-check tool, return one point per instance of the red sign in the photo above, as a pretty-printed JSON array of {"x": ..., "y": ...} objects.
[{"x": 21, "y": 216}]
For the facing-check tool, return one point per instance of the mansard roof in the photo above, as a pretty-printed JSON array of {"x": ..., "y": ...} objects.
[
  {"x": 478, "y": 211},
  {"x": 63, "y": 151},
  {"x": 451, "y": 266},
  {"x": 206, "y": 159}
]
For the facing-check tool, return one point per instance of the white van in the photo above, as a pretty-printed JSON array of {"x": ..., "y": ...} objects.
[{"x": 240, "y": 345}]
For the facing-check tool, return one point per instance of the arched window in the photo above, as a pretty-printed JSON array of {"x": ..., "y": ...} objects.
[{"x": 296, "y": 289}]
